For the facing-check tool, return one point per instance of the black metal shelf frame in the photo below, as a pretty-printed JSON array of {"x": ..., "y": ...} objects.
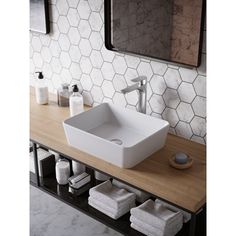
[{"x": 122, "y": 225}]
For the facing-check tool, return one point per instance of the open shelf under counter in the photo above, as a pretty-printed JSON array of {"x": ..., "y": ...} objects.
[{"x": 121, "y": 225}]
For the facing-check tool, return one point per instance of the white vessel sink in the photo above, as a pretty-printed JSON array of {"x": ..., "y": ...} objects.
[{"x": 117, "y": 135}]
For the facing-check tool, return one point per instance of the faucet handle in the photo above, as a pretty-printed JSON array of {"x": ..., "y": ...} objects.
[{"x": 141, "y": 78}]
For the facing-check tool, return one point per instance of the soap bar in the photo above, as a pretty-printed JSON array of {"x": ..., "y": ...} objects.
[{"x": 181, "y": 158}]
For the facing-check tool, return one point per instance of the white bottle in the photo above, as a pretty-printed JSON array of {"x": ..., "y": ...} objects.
[
  {"x": 77, "y": 168},
  {"x": 62, "y": 171},
  {"x": 41, "y": 90},
  {"x": 76, "y": 102}
]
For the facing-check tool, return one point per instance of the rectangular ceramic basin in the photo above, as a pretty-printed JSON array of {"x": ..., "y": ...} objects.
[{"x": 117, "y": 135}]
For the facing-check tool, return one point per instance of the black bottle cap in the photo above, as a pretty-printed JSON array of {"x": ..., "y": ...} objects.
[
  {"x": 75, "y": 88},
  {"x": 40, "y": 76}
]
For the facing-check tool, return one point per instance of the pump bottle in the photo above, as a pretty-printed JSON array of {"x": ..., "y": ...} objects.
[{"x": 41, "y": 89}]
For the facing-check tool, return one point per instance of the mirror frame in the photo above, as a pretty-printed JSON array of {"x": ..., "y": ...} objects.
[{"x": 108, "y": 45}]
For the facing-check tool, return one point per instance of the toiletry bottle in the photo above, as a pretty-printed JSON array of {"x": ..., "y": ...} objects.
[
  {"x": 63, "y": 95},
  {"x": 41, "y": 90},
  {"x": 76, "y": 102}
]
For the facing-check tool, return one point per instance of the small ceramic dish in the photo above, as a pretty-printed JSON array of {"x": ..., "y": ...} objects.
[{"x": 180, "y": 166}]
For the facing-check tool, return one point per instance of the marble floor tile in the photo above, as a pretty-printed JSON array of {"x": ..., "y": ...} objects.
[{"x": 51, "y": 217}]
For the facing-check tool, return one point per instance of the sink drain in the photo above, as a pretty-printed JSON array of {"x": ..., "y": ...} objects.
[{"x": 116, "y": 141}]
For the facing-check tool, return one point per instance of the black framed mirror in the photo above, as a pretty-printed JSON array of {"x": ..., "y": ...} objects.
[
  {"x": 169, "y": 30},
  {"x": 39, "y": 16}
]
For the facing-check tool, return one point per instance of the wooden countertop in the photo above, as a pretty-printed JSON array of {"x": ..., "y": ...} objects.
[{"x": 185, "y": 188}]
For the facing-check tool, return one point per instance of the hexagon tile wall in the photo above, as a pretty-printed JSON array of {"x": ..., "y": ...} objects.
[{"x": 74, "y": 52}]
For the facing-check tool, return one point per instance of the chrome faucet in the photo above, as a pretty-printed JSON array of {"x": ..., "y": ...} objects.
[{"x": 141, "y": 86}]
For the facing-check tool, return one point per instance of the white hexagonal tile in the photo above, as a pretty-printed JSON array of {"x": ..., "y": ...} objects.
[
  {"x": 119, "y": 99},
  {"x": 84, "y": 29},
  {"x": 74, "y": 36},
  {"x": 62, "y": 7},
  {"x": 95, "y": 21},
  {"x": 73, "y": 3},
  {"x": 56, "y": 65},
  {"x": 188, "y": 75},
  {"x": 119, "y": 82},
  {"x": 46, "y": 54},
  {"x": 64, "y": 42},
  {"x": 85, "y": 65},
  {"x": 129, "y": 75},
  {"x": 65, "y": 59},
  {"x": 96, "y": 40},
  {"x": 96, "y": 59},
  {"x": 200, "y": 85},
  {"x": 199, "y": 106},
  {"x": 172, "y": 130},
  {"x": 66, "y": 76},
  {"x": 36, "y": 44},
  {"x": 75, "y": 71},
  {"x": 202, "y": 68},
  {"x": 37, "y": 59},
  {"x": 119, "y": 65},
  {"x": 198, "y": 139},
  {"x": 108, "y": 89},
  {"x": 55, "y": 48},
  {"x": 56, "y": 81},
  {"x": 149, "y": 91},
  {"x": 86, "y": 82},
  {"x": 186, "y": 92},
  {"x": 171, "y": 98},
  {"x": 170, "y": 115},
  {"x": 88, "y": 99},
  {"x": 102, "y": 12},
  {"x": 54, "y": 14},
  {"x": 158, "y": 67},
  {"x": 198, "y": 125},
  {"x": 85, "y": 47},
  {"x": 148, "y": 109},
  {"x": 132, "y": 98},
  {"x": 144, "y": 68},
  {"x": 158, "y": 84},
  {"x": 32, "y": 67},
  {"x": 83, "y": 9},
  {"x": 157, "y": 103},
  {"x": 107, "y": 55},
  {"x": 96, "y": 76},
  {"x": 45, "y": 39},
  {"x": 185, "y": 112},
  {"x": 107, "y": 71},
  {"x": 95, "y": 5},
  {"x": 73, "y": 17},
  {"x": 132, "y": 61},
  {"x": 75, "y": 54},
  {"x": 47, "y": 70},
  {"x": 97, "y": 94},
  {"x": 63, "y": 24},
  {"x": 172, "y": 78},
  {"x": 54, "y": 31},
  {"x": 183, "y": 129}
]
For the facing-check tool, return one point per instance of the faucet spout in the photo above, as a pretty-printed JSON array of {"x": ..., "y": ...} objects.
[{"x": 141, "y": 87}]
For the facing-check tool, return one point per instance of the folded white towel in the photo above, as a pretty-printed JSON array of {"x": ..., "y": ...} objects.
[
  {"x": 141, "y": 230},
  {"x": 114, "y": 214},
  {"x": 140, "y": 195},
  {"x": 156, "y": 215},
  {"x": 171, "y": 230},
  {"x": 111, "y": 195},
  {"x": 130, "y": 203},
  {"x": 186, "y": 215}
]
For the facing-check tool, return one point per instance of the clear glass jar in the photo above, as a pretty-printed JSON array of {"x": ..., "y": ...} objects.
[
  {"x": 62, "y": 171},
  {"x": 63, "y": 95}
]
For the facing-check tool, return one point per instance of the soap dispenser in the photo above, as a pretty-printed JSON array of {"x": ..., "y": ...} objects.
[
  {"x": 76, "y": 102},
  {"x": 41, "y": 89}
]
